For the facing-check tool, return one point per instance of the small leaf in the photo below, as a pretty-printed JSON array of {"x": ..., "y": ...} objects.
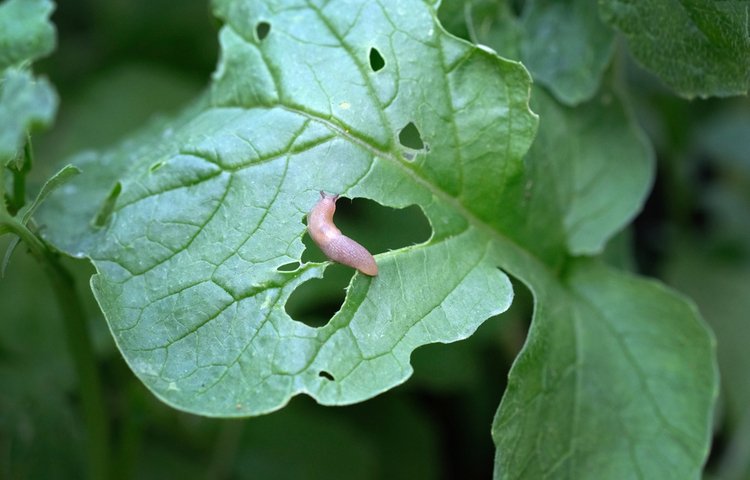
[
  {"x": 58, "y": 179},
  {"x": 697, "y": 47},
  {"x": 604, "y": 163}
]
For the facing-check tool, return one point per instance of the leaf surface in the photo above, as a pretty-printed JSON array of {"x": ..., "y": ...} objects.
[
  {"x": 188, "y": 225},
  {"x": 563, "y": 43},
  {"x": 595, "y": 169},
  {"x": 566, "y": 47},
  {"x": 616, "y": 380},
  {"x": 697, "y": 47},
  {"x": 584, "y": 393}
]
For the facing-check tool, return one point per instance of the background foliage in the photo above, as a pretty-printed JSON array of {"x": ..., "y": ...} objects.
[{"x": 120, "y": 64}]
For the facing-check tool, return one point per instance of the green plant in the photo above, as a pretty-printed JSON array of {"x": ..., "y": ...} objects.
[{"x": 194, "y": 224}]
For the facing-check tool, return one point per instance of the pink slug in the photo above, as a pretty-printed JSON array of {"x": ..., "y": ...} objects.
[{"x": 337, "y": 246}]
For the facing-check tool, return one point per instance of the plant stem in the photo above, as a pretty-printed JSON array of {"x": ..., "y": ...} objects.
[
  {"x": 227, "y": 445},
  {"x": 79, "y": 345},
  {"x": 84, "y": 359},
  {"x": 18, "y": 198}
]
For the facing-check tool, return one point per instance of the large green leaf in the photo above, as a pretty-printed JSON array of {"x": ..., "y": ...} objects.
[
  {"x": 616, "y": 380},
  {"x": 697, "y": 47},
  {"x": 189, "y": 225}
]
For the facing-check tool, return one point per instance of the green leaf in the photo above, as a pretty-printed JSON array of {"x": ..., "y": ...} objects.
[
  {"x": 588, "y": 173},
  {"x": 25, "y": 102},
  {"x": 697, "y": 47},
  {"x": 617, "y": 380},
  {"x": 62, "y": 176},
  {"x": 54, "y": 182},
  {"x": 722, "y": 291},
  {"x": 210, "y": 207},
  {"x": 26, "y": 33},
  {"x": 564, "y": 44},
  {"x": 595, "y": 169},
  {"x": 566, "y": 47},
  {"x": 589, "y": 169}
]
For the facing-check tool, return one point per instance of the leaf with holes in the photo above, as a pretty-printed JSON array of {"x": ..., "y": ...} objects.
[{"x": 192, "y": 226}]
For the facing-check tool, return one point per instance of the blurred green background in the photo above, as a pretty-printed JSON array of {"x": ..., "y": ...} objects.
[{"x": 120, "y": 64}]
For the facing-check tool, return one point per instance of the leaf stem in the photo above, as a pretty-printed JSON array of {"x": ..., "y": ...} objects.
[
  {"x": 18, "y": 198},
  {"x": 79, "y": 345},
  {"x": 227, "y": 445}
]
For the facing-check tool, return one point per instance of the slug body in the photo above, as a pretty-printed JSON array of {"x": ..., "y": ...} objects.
[{"x": 337, "y": 246}]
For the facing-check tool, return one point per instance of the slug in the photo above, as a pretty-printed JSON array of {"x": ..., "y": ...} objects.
[{"x": 337, "y": 246}]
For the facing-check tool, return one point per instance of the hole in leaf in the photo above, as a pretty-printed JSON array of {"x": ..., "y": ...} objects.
[
  {"x": 316, "y": 301},
  {"x": 410, "y": 137},
  {"x": 288, "y": 267},
  {"x": 376, "y": 60},
  {"x": 445, "y": 367},
  {"x": 262, "y": 30},
  {"x": 105, "y": 212},
  {"x": 326, "y": 375},
  {"x": 378, "y": 229}
]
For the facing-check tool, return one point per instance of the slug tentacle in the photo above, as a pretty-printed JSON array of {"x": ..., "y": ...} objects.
[{"x": 337, "y": 246}]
